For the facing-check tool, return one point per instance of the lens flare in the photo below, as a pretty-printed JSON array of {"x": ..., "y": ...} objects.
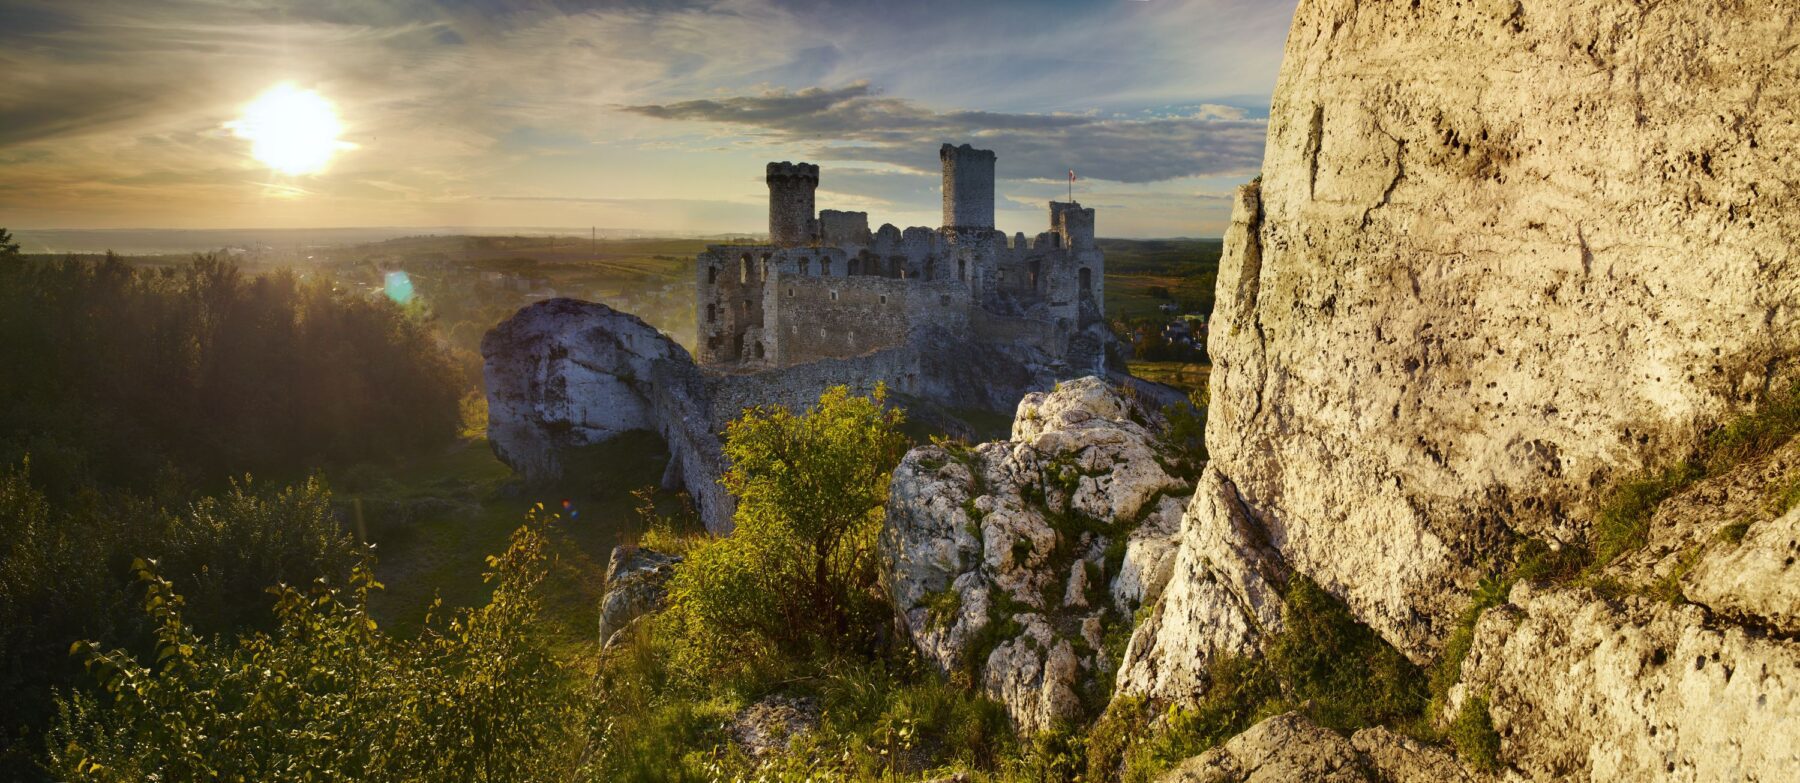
[
  {"x": 291, "y": 130},
  {"x": 398, "y": 287}
]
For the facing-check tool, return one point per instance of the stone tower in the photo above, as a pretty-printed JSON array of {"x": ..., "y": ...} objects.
[
  {"x": 968, "y": 188},
  {"x": 1073, "y": 223},
  {"x": 791, "y": 187}
]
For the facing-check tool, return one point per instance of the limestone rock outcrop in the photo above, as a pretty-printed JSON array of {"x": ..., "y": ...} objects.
[
  {"x": 1223, "y": 596},
  {"x": 636, "y": 585},
  {"x": 1728, "y": 543},
  {"x": 563, "y": 374},
  {"x": 1585, "y": 687},
  {"x": 1500, "y": 253},
  {"x": 1289, "y": 748},
  {"x": 1000, "y": 556}
]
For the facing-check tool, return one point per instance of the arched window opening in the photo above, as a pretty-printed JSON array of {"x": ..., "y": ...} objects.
[
  {"x": 744, "y": 269},
  {"x": 825, "y": 267},
  {"x": 805, "y": 266},
  {"x": 759, "y": 349},
  {"x": 962, "y": 270},
  {"x": 712, "y": 314},
  {"x": 1036, "y": 268},
  {"x": 1087, "y": 280},
  {"x": 712, "y": 274}
]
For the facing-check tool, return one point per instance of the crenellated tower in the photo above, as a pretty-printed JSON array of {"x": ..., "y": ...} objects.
[
  {"x": 968, "y": 188},
  {"x": 791, "y": 189}
]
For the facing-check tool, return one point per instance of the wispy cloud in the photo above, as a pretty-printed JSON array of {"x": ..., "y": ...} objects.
[
  {"x": 855, "y": 122},
  {"x": 112, "y": 111}
]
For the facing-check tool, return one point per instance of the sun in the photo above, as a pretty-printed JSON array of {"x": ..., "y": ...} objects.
[{"x": 291, "y": 130}]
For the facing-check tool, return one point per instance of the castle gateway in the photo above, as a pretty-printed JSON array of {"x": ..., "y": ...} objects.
[{"x": 825, "y": 287}]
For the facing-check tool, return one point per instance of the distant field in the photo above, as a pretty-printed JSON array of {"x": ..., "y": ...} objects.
[
  {"x": 1186, "y": 376},
  {"x": 1187, "y": 268}
]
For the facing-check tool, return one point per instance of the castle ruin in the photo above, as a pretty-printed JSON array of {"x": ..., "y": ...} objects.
[
  {"x": 826, "y": 287},
  {"x": 951, "y": 319}
]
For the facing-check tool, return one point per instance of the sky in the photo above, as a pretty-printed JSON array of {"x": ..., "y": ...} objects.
[{"x": 652, "y": 116}]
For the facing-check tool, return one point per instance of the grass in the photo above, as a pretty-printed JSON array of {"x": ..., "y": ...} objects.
[
  {"x": 1138, "y": 272},
  {"x": 1623, "y": 522},
  {"x": 434, "y": 519}
]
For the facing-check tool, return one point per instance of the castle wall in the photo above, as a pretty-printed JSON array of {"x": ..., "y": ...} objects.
[
  {"x": 837, "y": 317},
  {"x": 797, "y": 387},
  {"x": 728, "y": 300}
]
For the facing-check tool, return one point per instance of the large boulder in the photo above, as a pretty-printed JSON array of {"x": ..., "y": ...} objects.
[
  {"x": 1501, "y": 253},
  {"x": 1289, "y": 748},
  {"x": 563, "y": 374},
  {"x": 1000, "y": 557}
]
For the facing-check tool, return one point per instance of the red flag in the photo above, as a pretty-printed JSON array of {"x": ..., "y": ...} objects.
[{"x": 1071, "y": 175}]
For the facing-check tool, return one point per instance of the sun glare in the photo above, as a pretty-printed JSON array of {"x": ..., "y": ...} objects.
[{"x": 290, "y": 130}]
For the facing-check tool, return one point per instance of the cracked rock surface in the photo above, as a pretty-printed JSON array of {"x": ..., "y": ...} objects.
[
  {"x": 1289, "y": 748},
  {"x": 1500, "y": 254},
  {"x": 1000, "y": 556}
]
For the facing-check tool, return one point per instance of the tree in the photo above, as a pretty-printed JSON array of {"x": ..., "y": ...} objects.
[
  {"x": 797, "y": 571},
  {"x": 8, "y": 248}
]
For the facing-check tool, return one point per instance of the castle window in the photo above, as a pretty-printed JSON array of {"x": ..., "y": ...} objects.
[
  {"x": 962, "y": 270},
  {"x": 806, "y": 266},
  {"x": 825, "y": 267},
  {"x": 712, "y": 314},
  {"x": 833, "y": 296},
  {"x": 884, "y": 298},
  {"x": 744, "y": 269},
  {"x": 790, "y": 293},
  {"x": 712, "y": 275},
  {"x": 759, "y": 349},
  {"x": 1087, "y": 280}
]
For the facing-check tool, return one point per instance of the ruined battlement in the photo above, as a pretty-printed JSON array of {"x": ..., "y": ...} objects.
[
  {"x": 826, "y": 287},
  {"x": 789, "y": 170},
  {"x": 843, "y": 228}
]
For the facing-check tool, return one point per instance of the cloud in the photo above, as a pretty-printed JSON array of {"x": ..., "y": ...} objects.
[
  {"x": 111, "y": 110},
  {"x": 855, "y": 122}
]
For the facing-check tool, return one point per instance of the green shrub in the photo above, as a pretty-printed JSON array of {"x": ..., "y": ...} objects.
[
  {"x": 65, "y": 576},
  {"x": 328, "y": 695},
  {"x": 798, "y": 573},
  {"x": 1474, "y": 737},
  {"x": 1623, "y": 523}
]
